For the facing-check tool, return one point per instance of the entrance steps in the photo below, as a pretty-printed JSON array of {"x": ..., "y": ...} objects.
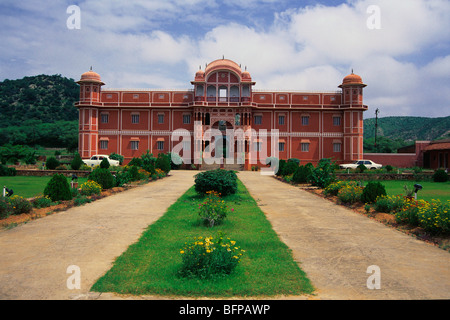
[{"x": 235, "y": 167}]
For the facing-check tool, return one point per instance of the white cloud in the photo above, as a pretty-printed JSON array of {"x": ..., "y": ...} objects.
[{"x": 406, "y": 63}]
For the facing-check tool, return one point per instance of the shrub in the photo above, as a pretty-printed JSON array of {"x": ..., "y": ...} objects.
[
  {"x": 42, "y": 202},
  {"x": 163, "y": 162},
  {"x": 6, "y": 171},
  {"x": 302, "y": 174},
  {"x": 160, "y": 173},
  {"x": 281, "y": 168},
  {"x": 20, "y": 205},
  {"x": 52, "y": 163},
  {"x": 333, "y": 188},
  {"x": 207, "y": 257},
  {"x": 104, "y": 164},
  {"x": 103, "y": 177},
  {"x": 135, "y": 162},
  {"x": 58, "y": 188},
  {"x": 290, "y": 168},
  {"x": 175, "y": 160},
  {"x": 409, "y": 213},
  {"x": 5, "y": 208},
  {"x": 118, "y": 157},
  {"x": 361, "y": 168},
  {"x": 323, "y": 174},
  {"x": 90, "y": 187},
  {"x": 222, "y": 181},
  {"x": 213, "y": 210},
  {"x": 350, "y": 194},
  {"x": 372, "y": 191},
  {"x": 388, "y": 204},
  {"x": 61, "y": 167},
  {"x": 389, "y": 168},
  {"x": 440, "y": 176},
  {"x": 76, "y": 162},
  {"x": 148, "y": 162},
  {"x": 434, "y": 216},
  {"x": 81, "y": 200}
]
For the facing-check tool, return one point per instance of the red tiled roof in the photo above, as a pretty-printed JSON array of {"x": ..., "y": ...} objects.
[{"x": 438, "y": 146}]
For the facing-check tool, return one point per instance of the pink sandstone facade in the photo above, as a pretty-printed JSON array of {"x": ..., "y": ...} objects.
[{"x": 311, "y": 125}]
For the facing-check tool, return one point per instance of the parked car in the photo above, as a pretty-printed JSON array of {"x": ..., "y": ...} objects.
[
  {"x": 368, "y": 163},
  {"x": 96, "y": 159}
]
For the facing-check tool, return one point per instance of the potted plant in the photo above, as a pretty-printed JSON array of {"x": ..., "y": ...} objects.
[{"x": 409, "y": 192}]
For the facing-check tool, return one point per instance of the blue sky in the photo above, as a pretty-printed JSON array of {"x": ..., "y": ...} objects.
[{"x": 291, "y": 45}]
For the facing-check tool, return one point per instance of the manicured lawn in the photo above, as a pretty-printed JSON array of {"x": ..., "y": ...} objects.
[
  {"x": 151, "y": 265},
  {"x": 431, "y": 190},
  {"x": 29, "y": 187}
]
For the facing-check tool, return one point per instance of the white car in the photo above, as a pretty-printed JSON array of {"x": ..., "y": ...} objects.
[
  {"x": 97, "y": 159},
  {"x": 368, "y": 163}
]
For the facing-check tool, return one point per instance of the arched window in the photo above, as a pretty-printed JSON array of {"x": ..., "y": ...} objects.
[
  {"x": 199, "y": 91},
  {"x": 211, "y": 93},
  {"x": 234, "y": 94},
  {"x": 237, "y": 120}
]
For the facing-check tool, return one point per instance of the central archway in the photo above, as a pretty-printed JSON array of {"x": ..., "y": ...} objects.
[{"x": 222, "y": 144}]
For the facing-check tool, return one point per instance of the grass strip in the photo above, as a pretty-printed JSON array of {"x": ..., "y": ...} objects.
[
  {"x": 150, "y": 266},
  {"x": 30, "y": 186},
  {"x": 431, "y": 190}
]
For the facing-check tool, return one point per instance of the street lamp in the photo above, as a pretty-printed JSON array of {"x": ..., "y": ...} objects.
[{"x": 376, "y": 128}]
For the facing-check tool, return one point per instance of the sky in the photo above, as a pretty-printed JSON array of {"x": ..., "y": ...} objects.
[{"x": 400, "y": 48}]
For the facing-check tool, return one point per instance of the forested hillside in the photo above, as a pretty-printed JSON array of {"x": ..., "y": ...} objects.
[
  {"x": 408, "y": 129},
  {"x": 39, "y": 110}
]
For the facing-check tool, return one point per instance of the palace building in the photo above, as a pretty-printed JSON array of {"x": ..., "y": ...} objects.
[{"x": 310, "y": 125}]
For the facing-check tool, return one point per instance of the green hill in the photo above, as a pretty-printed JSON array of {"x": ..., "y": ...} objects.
[
  {"x": 44, "y": 98},
  {"x": 408, "y": 129},
  {"x": 39, "y": 110}
]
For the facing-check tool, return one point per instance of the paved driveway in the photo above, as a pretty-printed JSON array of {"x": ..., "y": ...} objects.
[
  {"x": 335, "y": 246},
  {"x": 34, "y": 257}
]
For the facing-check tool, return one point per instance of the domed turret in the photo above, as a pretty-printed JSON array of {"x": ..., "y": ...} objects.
[
  {"x": 91, "y": 77},
  {"x": 90, "y": 87},
  {"x": 246, "y": 77},
  {"x": 352, "y": 89},
  {"x": 352, "y": 80},
  {"x": 200, "y": 75}
]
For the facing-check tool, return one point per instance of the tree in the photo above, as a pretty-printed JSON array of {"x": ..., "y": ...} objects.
[
  {"x": 104, "y": 164},
  {"x": 58, "y": 188},
  {"x": 52, "y": 163},
  {"x": 77, "y": 162},
  {"x": 323, "y": 174}
]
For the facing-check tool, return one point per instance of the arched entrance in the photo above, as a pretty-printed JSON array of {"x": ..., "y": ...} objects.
[{"x": 223, "y": 146}]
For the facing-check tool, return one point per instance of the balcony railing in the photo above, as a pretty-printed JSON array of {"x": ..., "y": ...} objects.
[{"x": 223, "y": 99}]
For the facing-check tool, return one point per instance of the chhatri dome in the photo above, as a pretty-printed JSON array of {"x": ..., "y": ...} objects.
[
  {"x": 223, "y": 64},
  {"x": 90, "y": 76},
  {"x": 352, "y": 79}
]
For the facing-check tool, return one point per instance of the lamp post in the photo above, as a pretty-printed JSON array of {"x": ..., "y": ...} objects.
[{"x": 376, "y": 128}]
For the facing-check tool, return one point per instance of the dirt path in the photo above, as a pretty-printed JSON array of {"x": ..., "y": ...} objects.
[
  {"x": 335, "y": 246},
  {"x": 34, "y": 257}
]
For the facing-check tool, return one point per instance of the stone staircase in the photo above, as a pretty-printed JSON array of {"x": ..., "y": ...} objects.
[{"x": 235, "y": 167}]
